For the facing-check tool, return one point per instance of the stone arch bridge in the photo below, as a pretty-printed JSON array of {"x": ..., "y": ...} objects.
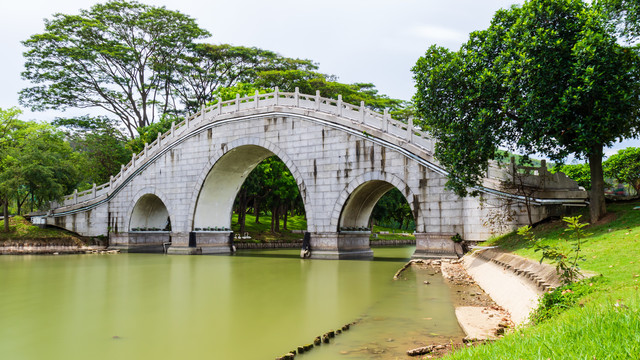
[{"x": 343, "y": 157}]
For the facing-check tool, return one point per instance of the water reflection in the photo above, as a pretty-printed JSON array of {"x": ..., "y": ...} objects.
[{"x": 251, "y": 306}]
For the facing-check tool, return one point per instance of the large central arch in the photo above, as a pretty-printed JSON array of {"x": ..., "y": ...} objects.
[{"x": 218, "y": 184}]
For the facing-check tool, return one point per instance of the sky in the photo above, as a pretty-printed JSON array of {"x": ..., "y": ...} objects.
[{"x": 373, "y": 41}]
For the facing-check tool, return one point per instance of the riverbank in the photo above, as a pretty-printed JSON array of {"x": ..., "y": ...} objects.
[{"x": 601, "y": 322}]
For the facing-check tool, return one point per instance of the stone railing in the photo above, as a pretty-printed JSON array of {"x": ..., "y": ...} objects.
[{"x": 361, "y": 118}]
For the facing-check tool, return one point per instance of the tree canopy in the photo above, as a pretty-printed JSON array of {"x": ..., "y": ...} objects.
[
  {"x": 119, "y": 56},
  {"x": 36, "y": 165},
  {"x": 624, "y": 166},
  {"x": 547, "y": 77}
]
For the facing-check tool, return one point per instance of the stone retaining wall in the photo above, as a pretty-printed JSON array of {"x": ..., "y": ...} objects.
[
  {"x": 40, "y": 249},
  {"x": 543, "y": 276}
]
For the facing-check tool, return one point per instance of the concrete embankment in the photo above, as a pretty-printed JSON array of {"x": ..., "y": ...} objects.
[{"x": 513, "y": 282}]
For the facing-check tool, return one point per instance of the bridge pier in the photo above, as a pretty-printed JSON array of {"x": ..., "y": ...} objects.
[
  {"x": 139, "y": 241},
  {"x": 200, "y": 242},
  {"x": 434, "y": 246},
  {"x": 342, "y": 245}
]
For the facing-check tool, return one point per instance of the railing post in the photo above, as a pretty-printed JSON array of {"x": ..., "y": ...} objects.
[
  {"x": 93, "y": 190},
  {"x": 410, "y": 129},
  {"x": 202, "y": 112},
  {"x": 219, "y": 105},
  {"x": 362, "y": 112},
  {"x": 159, "y": 139},
  {"x": 133, "y": 160},
  {"x": 110, "y": 181},
  {"x": 173, "y": 129},
  {"x": 339, "y": 104},
  {"x": 75, "y": 196},
  {"x": 186, "y": 119},
  {"x": 297, "y": 97},
  {"x": 238, "y": 102},
  {"x": 276, "y": 96},
  {"x": 385, "y": 120},
  {"x": 317, "y": 99},
  {"x": 256, "y": 99}
]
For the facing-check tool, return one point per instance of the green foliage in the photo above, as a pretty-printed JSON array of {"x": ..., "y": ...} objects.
[
  {"x": 242, "y": 89},
  {"x": 37, "y": 164},
  {"x": 566, "y": 260},
  {"x": 604, "y": 324},
  {"x": 22, "y": 231},
  {"x": 119, "y": 56},
  {"x": 580, "y": 173},
  {"x": 547, "y": 77},
  {"x": 207, "y": 68},
  {"x": 393, "y": 211},
  {"x": 309, "y": 81},
  {"x": 100, "y": 145},
  {"x": 624, "y": 15},
  {"x": 559, "y": 300},
  {"x": 148, "y": 134},
  {"x": 624, "y": 166}
]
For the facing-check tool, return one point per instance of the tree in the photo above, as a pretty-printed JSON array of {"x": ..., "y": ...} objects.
[
  {"x": 207, "y": 68},
  {"x": 119, "y": 56},
  {"x": 8, "y": 122},
  {"x": 547, "y": 77},
  {"x": 624, "y": 166},
  {"x": 625, "y": 15},
  {"x": 579, "y": 173},
  {"x": 37, "y": 164},
  {"x": 101, "y": 147}
]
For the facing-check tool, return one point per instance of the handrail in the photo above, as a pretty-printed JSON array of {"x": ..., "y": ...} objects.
[{"x": 361, "y": 117}]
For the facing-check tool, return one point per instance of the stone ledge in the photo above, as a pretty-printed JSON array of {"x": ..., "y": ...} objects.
[{"x": 542, "y": 276}]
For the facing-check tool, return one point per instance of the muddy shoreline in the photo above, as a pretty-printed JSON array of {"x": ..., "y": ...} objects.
[{"x": 478, "y": 315}]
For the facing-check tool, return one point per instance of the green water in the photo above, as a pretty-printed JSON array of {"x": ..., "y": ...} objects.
[{"x": 253, "y": 306}]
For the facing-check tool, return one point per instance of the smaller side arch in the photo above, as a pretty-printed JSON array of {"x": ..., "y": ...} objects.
[
  {"x": 150, "y": 209},
  {"x": 379, "y": 184}
]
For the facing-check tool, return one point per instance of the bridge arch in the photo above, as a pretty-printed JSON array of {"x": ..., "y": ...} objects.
[
  {"x": 359, "y": 197},
  {"x": 149, "y": 210},
  {"x": 223, "y": 175}
]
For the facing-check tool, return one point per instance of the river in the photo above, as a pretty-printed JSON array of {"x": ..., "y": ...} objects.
[{"x": 254, "y": 305}]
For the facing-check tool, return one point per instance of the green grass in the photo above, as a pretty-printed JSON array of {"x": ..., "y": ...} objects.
[
  {"x": 22, "y": 231},
  {"x": 394, "y": 234},
  {"x": 262, "y": 232},
  {"x": 604, "y": 324}
]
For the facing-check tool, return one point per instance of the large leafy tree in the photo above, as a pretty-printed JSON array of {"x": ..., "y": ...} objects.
[
  {"x": 547, "y": 77},
  {"x": 37, "y": 164},
  {"x": 119, "y": 56},
  {"x": 624, "y": 166}
]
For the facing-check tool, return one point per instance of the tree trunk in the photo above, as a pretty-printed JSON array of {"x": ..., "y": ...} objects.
[
  {"x": 597, "y": 206},
  {"x": 5, "y": 212},
  {"x": 256, "y": 209},
  {"x": 285, "y": 211}
]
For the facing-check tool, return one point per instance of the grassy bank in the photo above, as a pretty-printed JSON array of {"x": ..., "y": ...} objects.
[
  {"x": 604, "y": 324},
  {"x": 22, "y": 231}
]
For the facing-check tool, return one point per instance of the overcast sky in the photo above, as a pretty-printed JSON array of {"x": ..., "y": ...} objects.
[{"x": 375, "y": 41}]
